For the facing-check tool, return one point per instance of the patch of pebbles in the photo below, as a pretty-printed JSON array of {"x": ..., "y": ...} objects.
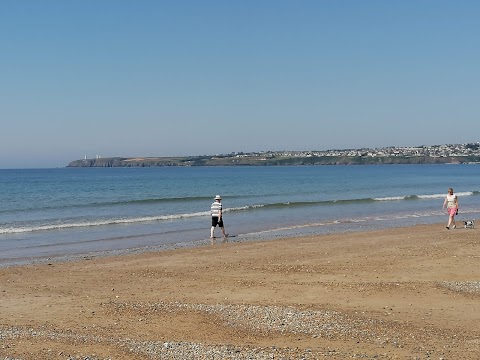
[
  {"x": 267, "y": 320},
  {"x": 182, "y": 350},
  {"x": 470, "y": 287},
  {"x": 263, "y": 320}
]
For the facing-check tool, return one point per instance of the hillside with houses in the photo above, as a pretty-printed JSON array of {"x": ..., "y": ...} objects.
[{"x": 468, "y": 153}]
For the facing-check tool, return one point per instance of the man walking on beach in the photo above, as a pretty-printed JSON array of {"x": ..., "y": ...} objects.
[{"x": 217, "y": 219}]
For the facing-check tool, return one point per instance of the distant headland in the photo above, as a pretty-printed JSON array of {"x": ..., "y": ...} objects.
[{"x": 433, "y": 154}]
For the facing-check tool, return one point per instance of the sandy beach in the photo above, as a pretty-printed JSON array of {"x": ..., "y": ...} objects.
[{"x": 405, "y": 293}]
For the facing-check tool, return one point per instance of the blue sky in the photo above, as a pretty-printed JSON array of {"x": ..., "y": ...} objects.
[{"x": 173, "y": 78}]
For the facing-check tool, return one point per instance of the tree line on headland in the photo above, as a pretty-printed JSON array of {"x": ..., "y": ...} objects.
[{"x": 437, "y": 154}]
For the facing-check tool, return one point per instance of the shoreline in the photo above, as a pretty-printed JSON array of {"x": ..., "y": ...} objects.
[
  {"x": 288, "y": 232},
  {"x": 406, "y": 292}
]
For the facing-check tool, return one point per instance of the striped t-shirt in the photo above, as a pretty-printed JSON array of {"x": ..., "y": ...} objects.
[{"x": 216, "y": 208}]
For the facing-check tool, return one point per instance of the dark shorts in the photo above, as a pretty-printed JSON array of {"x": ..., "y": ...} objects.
[{"x": 215, "y": 222}]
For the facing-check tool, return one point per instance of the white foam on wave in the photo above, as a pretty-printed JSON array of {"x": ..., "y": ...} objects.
[
  {"x": 423, "y": 196},
  {"x": 59, "y": 226},
  {"x": 466, "y": 193},
  {"x": 437, "y": 196},
  {"x": 390, "y": 198},
  {"x": 18, "y": 230},
  {"x": 240, "y": 208},
  {"x": 432, "y": 196}
]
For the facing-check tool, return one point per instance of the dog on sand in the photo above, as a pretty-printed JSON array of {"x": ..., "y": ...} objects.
[{"x": 469, "y": 224}]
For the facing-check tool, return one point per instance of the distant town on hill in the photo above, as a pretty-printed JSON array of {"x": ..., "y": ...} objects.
[{"x": 432, "y": 154}]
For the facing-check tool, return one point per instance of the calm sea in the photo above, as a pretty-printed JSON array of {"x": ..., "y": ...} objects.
[{"x": 51, "y": 213}]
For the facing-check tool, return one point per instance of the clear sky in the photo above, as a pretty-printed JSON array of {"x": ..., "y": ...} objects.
[{"x": 187, "y": 77}]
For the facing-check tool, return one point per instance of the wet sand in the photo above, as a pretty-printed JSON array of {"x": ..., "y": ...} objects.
[{"x": 405, "y": 293}]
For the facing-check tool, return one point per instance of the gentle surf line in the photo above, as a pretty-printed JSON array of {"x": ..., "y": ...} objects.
[
  {"x": 56, "y": 226},
  {"x": 360, "y": 220}
]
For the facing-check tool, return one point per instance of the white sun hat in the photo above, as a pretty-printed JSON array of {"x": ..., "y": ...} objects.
[{"x": 218, "y": 197}]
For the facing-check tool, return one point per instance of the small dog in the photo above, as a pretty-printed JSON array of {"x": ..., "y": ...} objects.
[{"x": 470, "y": 224}]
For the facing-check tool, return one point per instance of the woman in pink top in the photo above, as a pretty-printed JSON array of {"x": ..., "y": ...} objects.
[{"x": 451, "y": 203}]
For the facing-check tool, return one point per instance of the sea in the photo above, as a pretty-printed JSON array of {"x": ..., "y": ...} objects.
[{"x": 67, "y": 213}]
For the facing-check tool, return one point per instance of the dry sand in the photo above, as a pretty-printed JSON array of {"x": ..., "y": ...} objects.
[{"x": 407, "y": 293}]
